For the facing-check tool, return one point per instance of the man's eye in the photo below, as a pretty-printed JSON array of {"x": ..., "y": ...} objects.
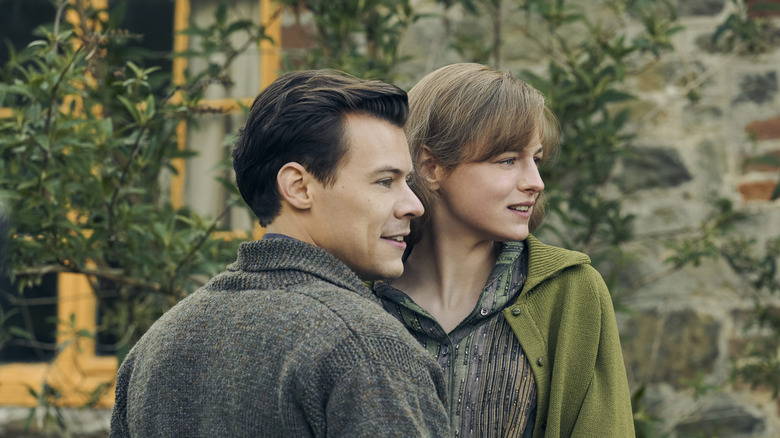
[
  {"x": 509, "y": 161},
  {"x": 385, "y": 182}
]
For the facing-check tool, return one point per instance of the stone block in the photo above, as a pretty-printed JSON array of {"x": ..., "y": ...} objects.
[
  {"x": 705, "y": 42},
  {"x": 652, "y": 79},
  {"x": 648, "y": 168},
  {"x": 721, "y": 415},
  {"x": 662, "y": 74},
  {"x": 737, "y": 346},
  {"x": 669, "y": 348},
  {"x": 698, "y": 115},
  {"x": 700, "y": 7},
  {"x": 712, "y": 163},
  {"x": 637, "y": 110},
  {"x": 758, "y": 88}
]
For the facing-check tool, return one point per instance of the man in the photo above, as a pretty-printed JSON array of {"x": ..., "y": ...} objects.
[{"x": 288, "y": 342}]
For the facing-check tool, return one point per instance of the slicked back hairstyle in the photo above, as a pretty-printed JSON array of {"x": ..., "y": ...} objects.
[
  {"x": 469, "y": 112},
  {"x": 301, "y": 118}
]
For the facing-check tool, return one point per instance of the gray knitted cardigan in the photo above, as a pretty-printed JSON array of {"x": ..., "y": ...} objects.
[{"x": 288, "y": 342}]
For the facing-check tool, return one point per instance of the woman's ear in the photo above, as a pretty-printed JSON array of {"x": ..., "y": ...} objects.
[
  {"x": 432, "y": 171},
  {"x": 293, "y": 181}
]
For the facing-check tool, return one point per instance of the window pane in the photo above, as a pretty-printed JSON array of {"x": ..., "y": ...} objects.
[
  {"x": 35, "y": 312},
  {"x": 150, "y": 25},
  {"x": 18, "y": 20}
]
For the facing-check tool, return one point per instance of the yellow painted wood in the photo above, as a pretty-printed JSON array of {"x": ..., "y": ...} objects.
[
  {"x": 76, "y": 371},
  {"x": 270, "y": 51},
  {"x": 181, "y": 42}
]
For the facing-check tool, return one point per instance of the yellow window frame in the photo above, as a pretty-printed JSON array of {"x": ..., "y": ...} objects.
[{"x": 77, "y": 371}]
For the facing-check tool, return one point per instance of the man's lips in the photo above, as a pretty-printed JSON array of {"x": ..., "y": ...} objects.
[{"x": 396, "y": 240}]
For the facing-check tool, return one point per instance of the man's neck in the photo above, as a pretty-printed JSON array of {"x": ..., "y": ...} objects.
[{"x": 288, "y": 229}]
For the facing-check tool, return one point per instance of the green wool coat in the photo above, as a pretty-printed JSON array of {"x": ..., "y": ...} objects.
[{"x": 565, "y": 321}]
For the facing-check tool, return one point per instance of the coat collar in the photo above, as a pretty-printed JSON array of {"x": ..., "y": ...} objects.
[{"x": 545, "y": 261}]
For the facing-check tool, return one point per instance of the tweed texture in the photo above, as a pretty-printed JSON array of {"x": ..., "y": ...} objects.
[
  {"x": 288, "y": 342},
  {"x": 565, "y": 322}
]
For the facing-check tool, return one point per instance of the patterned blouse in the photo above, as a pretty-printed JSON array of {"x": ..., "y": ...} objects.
[{"x": 491, "y": 385}]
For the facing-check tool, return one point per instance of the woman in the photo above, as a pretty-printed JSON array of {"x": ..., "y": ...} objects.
[{"x": 525, "y": 332}]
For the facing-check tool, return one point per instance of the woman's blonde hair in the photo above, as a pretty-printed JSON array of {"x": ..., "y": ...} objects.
[{"x": 469, "y": 112}]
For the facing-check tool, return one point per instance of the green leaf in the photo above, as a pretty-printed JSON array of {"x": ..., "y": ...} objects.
[
  {"x": 768, "y": 159},
  {"x": 131, "y": 108},
  {"x": 764, "y": 6},
  {"x": 21, "y": 333},
  {"x": 611, "y": 96},
  {"x": 83, "y": 333},
  {"x": 150, "y": 107},
  {"x": 238, "y": 26},
  {"x": 221, "y": 15}
]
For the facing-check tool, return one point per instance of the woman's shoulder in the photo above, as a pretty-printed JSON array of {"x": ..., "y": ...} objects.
[
  {"x": 547, "y": 263},
  {"x": 538, "y": 249}
]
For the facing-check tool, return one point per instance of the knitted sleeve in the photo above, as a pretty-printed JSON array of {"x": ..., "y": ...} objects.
[
  {"x": 376, "y": 386},
  {"x": 119, "y": 424},
  {"x": 606, "y": 409}
]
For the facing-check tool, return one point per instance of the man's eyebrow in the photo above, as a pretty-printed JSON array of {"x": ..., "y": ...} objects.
[{"x": 388, "y": 169}]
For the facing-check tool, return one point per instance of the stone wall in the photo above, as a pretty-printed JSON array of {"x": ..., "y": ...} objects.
[
  {"x": 691, "y": 323},
  {"x": 684, "y": 325}
]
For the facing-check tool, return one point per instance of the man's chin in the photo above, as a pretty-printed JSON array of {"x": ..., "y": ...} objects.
[{"x": 387, "y": 273}]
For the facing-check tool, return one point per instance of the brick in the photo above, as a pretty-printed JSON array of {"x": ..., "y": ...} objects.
[
  {"x": 757, "y": 191},
  {"x": 754, "y": 13},
  {"x": 768, "y": 129},
  {"x": 295, "y": 36}
]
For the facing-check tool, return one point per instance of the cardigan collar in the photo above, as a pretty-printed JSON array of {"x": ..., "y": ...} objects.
[
  {"x": 545, "y": 261},
  {"x": 294, "y": 255}
]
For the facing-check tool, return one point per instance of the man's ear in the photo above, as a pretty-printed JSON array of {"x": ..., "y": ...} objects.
[
  {"x": 431, "y": 170},
  {"x": 293, "y": 181}
]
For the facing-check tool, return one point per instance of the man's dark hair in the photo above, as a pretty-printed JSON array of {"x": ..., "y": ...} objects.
[{"x": 301, "y": 118}]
